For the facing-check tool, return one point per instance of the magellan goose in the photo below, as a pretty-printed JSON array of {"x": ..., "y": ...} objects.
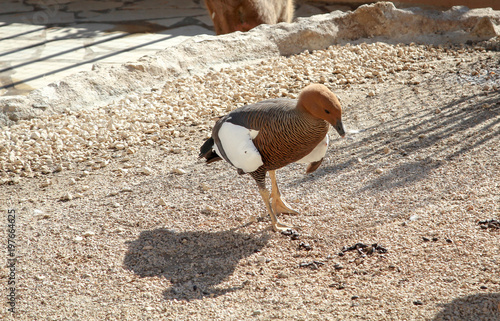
[{"x": 270, "y": 134}]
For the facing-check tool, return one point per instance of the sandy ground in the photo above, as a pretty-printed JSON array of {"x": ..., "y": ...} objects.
[{"x": 419, "y": 168}]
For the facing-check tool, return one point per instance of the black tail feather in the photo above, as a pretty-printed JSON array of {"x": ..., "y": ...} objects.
[{"x": 207, "y": 151}]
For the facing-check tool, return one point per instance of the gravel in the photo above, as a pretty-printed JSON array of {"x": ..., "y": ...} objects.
[{"x": 118, "y": 219}]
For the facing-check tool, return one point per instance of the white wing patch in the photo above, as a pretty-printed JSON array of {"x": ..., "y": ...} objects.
[
  {"x": 317, "y": 153},
  {"x": 237, "y": 143}
]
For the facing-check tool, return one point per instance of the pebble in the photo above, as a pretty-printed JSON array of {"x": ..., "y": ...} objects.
[
  {"x": 261, "y": 259},
  {"x": 305, "y": 246},
  {"x": 418, "y": 302},
  {"x": 379, "y": 170},
  {"x": 162, "y": 202},
  {"x": 282, "y": 275},
  {"x": 178, "y": 171},
  {"x": 78, "y": 238},
  {"x": 46, "y": 183},
  {"x": 67, "y": 197},
  {"x": 205, "y": 187},
  {"x": 257, "y": 312},
  {"x": 146, "y": 170},
  {"x": 88, "y": 233}
]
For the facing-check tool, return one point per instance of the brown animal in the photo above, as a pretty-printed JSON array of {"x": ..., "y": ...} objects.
[
  {"x": 270, "y": 134},
  {"x": 243, "y": 15}
]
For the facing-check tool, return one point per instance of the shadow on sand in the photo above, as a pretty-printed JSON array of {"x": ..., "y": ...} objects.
[
  {"x": 484, "y": 307},
  {"x": 194, "y": 262}
]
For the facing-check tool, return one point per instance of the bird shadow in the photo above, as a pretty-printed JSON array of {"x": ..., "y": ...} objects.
[
  {"x": 484, "y": 306},
  {"x": 194, "y": 262}
]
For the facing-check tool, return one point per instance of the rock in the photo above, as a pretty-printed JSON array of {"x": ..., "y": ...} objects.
[
  {"x": 414, "y": 217},
  {"x": 146, "y": 170},
  {"x": 256, "y": 312},
  {"x": 178, "y": 171},
  {"x": 67, "y": 197}
]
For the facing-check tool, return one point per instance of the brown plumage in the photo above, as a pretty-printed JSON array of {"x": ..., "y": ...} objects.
[{"x": 268, "y": 135}]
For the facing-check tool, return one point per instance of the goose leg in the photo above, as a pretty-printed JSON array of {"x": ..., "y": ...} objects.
[
  {"x": 278, "y": 205},
  {"x": 277, "y": 226},
  {"x": 260, "y": 178}
]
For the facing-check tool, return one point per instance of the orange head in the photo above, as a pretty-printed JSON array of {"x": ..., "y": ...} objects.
[{"x": 320, "y": 102}]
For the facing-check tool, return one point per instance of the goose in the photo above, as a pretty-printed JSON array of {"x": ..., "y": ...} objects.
[{"x": 262, "y": 137}]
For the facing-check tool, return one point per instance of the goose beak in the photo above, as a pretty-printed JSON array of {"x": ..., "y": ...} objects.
[{"x": 339, "y": 127}]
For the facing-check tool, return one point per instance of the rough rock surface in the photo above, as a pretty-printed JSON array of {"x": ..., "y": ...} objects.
[{"x": 202, "y": 53}]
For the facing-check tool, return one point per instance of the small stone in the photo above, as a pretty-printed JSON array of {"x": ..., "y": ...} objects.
[
  {"x": 116, "y": 205},
  {"x": 67, "y": 197},
  {"x": 178, "y": 171},
  {"x": 205, "y": 187},
  {"x": 379, "y": 171},
  {"x": 371, "y": 93},
  {"x": 337, "y": 266},
  {"x": 425, "y": 239},
  {"x": 207, "y": 210},
  {"x": 414, "y": 217},
  {"x": 434, "y": 239},
  {"x": 148, "y": 247},
  {"x": 162, "y": 202},
  {"x": 418, "y": 302},
  {"x": 84, "y": 188},
  {"x": 72, "y": 181},
  {"x": 449, "y": 241},
  {"x": 39, "y": 277},
  {"x": 146, "y": 170},
  {"x": 354, "y": 297},
  {"x": 256, "y": 312},
  {"x": 282, "y": 275},
  {"x": 88, "y": 233},
  {"x": 386, "y": 150},
  {"x": 484, "y": 287},
  {"x": 261, "y": 259},
  {"x": 46, "y": 183},
  {"x": 305, "y": 246},
  {"x": 437, "y": 111},
  {"x": 120, "y": 146},
  {"x": 78, "y": 238}
]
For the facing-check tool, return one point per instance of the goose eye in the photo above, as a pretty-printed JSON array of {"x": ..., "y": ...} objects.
[{"x": 327, "y": 111}]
